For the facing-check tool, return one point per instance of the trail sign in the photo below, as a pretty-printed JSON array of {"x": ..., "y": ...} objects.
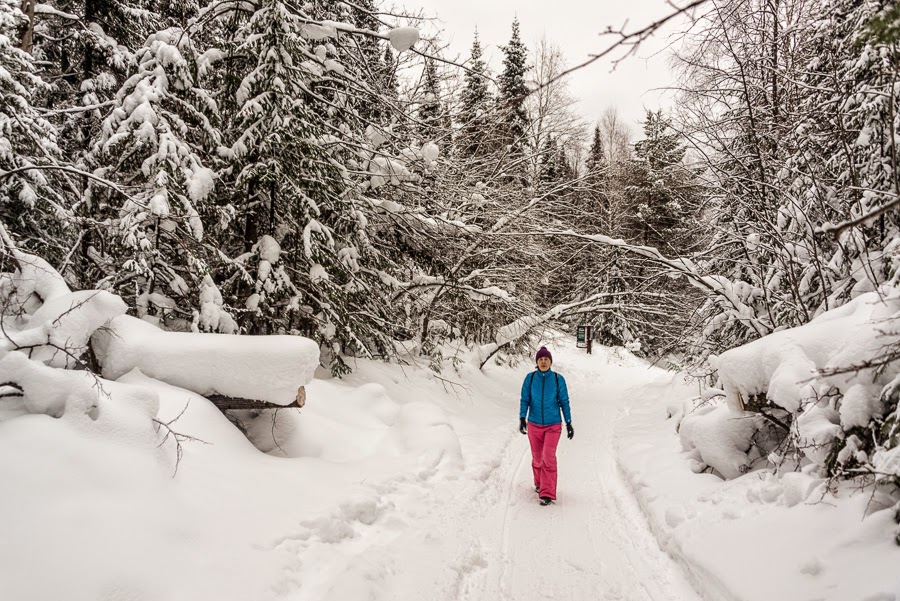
[{"x": 583, "y": 337}]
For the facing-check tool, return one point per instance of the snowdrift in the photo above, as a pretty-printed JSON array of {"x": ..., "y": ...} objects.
[
  {"x": 822, "y": 395},
  {"x": 131, "y": 485}
]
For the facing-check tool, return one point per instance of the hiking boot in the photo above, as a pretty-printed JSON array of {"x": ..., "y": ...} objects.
[
  {"x": 546, "y": 500},
  {"x": 537, "y": 489}
]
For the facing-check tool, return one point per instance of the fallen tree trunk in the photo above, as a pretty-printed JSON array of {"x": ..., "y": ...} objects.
[{"x": 230, "y": 403}]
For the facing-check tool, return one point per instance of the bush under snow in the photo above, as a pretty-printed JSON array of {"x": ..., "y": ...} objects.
[{"x": 822, "y": 395}]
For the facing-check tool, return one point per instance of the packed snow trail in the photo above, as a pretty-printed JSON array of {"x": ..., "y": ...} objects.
[
  {"x": 482, "y": 536},
  {"x": 594, "y": 542}
]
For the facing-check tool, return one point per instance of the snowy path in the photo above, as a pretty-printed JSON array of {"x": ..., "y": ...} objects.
[
  {"x": 594, "y": 543},
  {"x": 484, "y": 537}
]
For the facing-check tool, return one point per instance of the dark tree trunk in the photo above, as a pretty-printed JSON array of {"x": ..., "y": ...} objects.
[{"x": 26, "y": 31}]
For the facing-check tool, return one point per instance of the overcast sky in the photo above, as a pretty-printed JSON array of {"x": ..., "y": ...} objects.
[{"x": 573, "y": 25}]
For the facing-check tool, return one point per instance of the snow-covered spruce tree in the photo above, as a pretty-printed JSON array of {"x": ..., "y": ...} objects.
[
  {"x": 474, "y": 116},
  {"x": 432, "y": 112},
  {"x": 307, "y": 173},
  {"x": 661, "y": 190},
  {"x": 664, "y": 197},
  {"x": 156, "y": 143},
  {"x": 35, "y": 205},
  {"x": 513, "y": 118},
  {"x": 86, "y": 47}
]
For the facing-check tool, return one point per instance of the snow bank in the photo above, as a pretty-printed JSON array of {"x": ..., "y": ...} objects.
[
  {"x": 358, "y": 424},
  {"x": 798, "y": 372},
  {"x": 721, "y": 438},
  {"x": 263, "y": 368},
  {"x": 808, "y": 543},
  {"x": 33, "y": 282},
  {"x": 94, "y": 503},
  {"x": 781, "y": 364},
  {"x": 46, "y": 390}
]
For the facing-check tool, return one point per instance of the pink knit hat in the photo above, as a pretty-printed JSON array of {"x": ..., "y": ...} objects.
[{"x": 543, "y": 352}]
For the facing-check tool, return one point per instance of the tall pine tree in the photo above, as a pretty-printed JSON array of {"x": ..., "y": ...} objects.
[
  {"x": 474, "y": 115},
  {"x": 512, "y": 92}
]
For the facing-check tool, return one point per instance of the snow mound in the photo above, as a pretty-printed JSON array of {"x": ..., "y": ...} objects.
[
  {"x": 781, "y": 364},
  {"x": 820, "y": 380},
  {"x": 33, "y": 282},
  {"x": 355, "y": 425},
  {"x": 58, "y": 331},
  {"x": 722, "y": 438}
]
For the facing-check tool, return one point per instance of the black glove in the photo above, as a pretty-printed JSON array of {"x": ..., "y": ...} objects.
[
  {"x": 570, "y": 431},
  {"x": 522, "y": 427}
]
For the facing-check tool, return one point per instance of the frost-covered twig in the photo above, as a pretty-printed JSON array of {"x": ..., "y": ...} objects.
[
  {"x": 178, "y": 437},
  {"x": 836, "y": 229},
  {"x": 66, "y": 169}
]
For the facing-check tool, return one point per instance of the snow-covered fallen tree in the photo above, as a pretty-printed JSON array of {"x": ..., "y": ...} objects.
[
  {"x": 820, "y": 397},
  {"x": 261, "y": 368},
  {"x": 48, "y": 332}
]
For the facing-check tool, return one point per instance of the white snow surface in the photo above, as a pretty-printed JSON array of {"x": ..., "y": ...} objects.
[
  {"x": 760, "y": 536},
  {"x": 33, "y": 282},
  {"x": 263, "y": 368},
  {"x": 809, "y": 372},
  {"x": 430, "y": 152},
  {"x": 397, "y": 484},
  {"x": 213, "y": 317},
  {"x": 269, "y": 249}
]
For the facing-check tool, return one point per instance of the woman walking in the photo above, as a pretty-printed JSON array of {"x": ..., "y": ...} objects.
[{"x": 544, "y": 396}]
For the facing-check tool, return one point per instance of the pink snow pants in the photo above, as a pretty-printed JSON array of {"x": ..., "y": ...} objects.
[{"x": 544, "y": 440}]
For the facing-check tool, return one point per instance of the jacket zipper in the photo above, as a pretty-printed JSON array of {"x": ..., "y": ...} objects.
[{"x": 543, "y": 382}]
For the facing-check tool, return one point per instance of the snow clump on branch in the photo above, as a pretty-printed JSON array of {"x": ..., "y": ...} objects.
[{"x": 403, "y": 38}]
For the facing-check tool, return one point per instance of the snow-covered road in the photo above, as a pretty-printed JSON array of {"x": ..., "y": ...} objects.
[
  {"x": 594, "y": 543},
  {"x": 404, "y": 485},
  {"x": 484, "y": 537}
]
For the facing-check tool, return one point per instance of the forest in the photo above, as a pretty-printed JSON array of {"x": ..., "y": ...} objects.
[{"x": 323, "y": 170}]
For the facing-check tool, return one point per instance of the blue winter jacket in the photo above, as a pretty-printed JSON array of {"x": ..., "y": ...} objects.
[{"x": 541, "y": 401}]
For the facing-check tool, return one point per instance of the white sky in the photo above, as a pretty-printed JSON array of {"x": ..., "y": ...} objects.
[{"x": 573, "y": 25}]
